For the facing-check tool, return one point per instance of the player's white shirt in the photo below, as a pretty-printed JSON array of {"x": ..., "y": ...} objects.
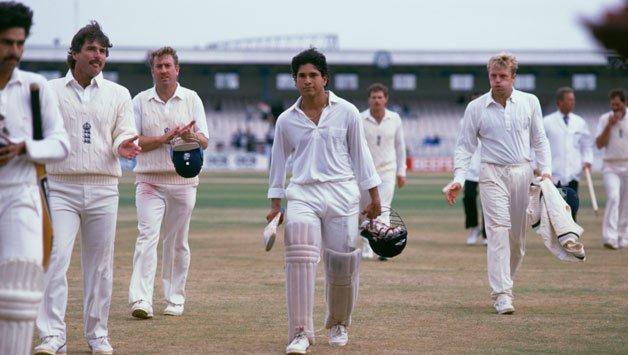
[
  {"x": 386, "y": 144},
  {"x": 18, "y": 125},
  {"x": 571, "y": 146},
  {"x": 333, "y": 150},
  {"x": 616, "y": 151},
  {"x": 507, "y": 133}
]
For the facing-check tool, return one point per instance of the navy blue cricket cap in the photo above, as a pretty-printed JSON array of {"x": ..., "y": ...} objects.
[{"x": 187, "y": 158}]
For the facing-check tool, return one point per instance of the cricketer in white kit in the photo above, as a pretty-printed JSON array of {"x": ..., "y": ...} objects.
[
  {"x": 384, "y": 136},
  {"x": 98, "y": 116},
  {"x": 162, "y": 113},
  {"x": 612, "y": 137},
  {"x": 331, "y": 164},
  {"x": 21, "y": 245},
  {"x": 508, "y": 122}
]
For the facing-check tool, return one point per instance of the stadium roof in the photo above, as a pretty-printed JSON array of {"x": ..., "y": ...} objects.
[{"x": 51, "y": 53}]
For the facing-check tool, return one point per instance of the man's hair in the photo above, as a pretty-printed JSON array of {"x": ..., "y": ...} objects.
[
  {"x": 162, "y": 52},
  {"x": 15, "y": 14},
  {"x": 561, "y": 92},
  {"x": 90, "y": 33},
  {"x": 619, "y": 93},
  {"x": 377, "y": 87},
  {"x": 310, "y": 56},
  {"x": 504, "y": 60}
]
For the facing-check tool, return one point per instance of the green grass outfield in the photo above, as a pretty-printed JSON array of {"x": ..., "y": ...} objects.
[{"x": 432, "y": 299}]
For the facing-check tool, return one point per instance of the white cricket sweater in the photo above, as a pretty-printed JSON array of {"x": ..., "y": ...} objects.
[
  {"x": 153, "y": 119},
  {"x": 95, "y": 128}
]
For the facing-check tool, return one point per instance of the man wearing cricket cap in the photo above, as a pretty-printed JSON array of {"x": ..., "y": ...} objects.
[
  {"x": 172, "y": 126},
  {"x": 21, "y": 248}
]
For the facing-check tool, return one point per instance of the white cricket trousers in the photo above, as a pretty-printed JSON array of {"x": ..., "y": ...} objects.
[
  {"x": 615, "y": 224},
  {"x": 333, "y": 206},
  {"x": 92, "y": 209},
  {"x": 172, "y": 205},
  {"x": 20, "y": 223},
  {"x": 504, "y": 195},
  {"x": 319, "y": 215}
]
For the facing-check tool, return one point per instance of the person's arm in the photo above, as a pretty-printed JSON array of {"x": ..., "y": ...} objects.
[
  {"x": 466, "y": 143},
  {"x": 148, "y": 143},
  {"x": 539, "y": 142},
  {"x": 56, "y": 145},
  {"x": 281, "y": 150},
  {"x": 277, "y": 176},
  {"x": 275, "y": 207},
  {"x": 361, "y": 159},
  {"x": 400, "y": 150},
  {"x": 123, "y": 131},
  {"x": 602, "y": 139},
  {"x": 374, "y": 208},
  {"x": 199, "y": 132}
]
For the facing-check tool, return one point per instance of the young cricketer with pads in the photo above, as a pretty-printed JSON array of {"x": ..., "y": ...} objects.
[{"x": 331, "y": 164}]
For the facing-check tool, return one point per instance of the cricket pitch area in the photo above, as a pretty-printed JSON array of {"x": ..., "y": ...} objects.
[{"x": 431, "y": 299}]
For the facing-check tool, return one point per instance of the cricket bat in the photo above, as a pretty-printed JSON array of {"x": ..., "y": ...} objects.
[
  {"x": 42, "y": 180},
  {"x": 587, "y": 174},
  {"x": 270, "y": 231}
]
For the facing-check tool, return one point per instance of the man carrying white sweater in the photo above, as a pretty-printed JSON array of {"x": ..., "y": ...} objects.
[
  {"x": 164, "y": 113},
  {"x": 98, "y": 117}
]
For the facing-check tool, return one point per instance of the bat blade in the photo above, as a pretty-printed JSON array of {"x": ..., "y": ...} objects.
[
  {"x": 587, "y": 174},
  {"x": 42, "y": 182}
]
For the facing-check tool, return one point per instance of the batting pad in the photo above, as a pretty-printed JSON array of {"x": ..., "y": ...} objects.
[
  {"x": 342, "y": 271},
  {"x": 20, "y": 295},
  {"x": 302, "y": 250}
]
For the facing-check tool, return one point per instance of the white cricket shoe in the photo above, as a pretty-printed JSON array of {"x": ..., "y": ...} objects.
[
  {"x": 611, "y": 244},
  {"x": 299, "y": 345},
  {"x": 503, "y": 305},
  {"x": 338, "y": 335},
  {"x": 173, "y": 309},
  {"x": 623, "y": 243},
  {"x": 100, "y": 346},
  {"x": 51, "y": 345},
  {"x": 473, "y": 235},
  {"x": 142, "y": 310},
  {"x": 367, "y": 252}
]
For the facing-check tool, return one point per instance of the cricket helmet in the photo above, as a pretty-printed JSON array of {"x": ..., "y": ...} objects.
[{"x": 387, "y": 240}]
